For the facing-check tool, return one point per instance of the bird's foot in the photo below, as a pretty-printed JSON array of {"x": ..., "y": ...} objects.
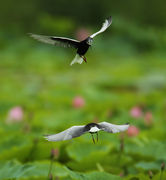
[{"x": 84, "y": 58}]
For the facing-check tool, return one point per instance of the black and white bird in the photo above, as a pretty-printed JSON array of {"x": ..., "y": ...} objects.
[
  {"x": 92, "y": 128},
  {"x": 81, "y": 46}
]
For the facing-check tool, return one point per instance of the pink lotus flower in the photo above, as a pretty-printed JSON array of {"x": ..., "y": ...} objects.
[
  {"x": 132, "y": 131},
  {"x": 148, "y": 118},
  {"x": 136, "y": 112},
  {"x": 15, "y": 114},
  {"x": 78, "y": 102},
  {"x": 82, "y": 34}
]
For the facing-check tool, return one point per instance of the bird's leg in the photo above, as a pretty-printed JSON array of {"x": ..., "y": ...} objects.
[
  {"x": 93, "y": 138},
  {"x": 97, "y": 136},
  {"x": 84, "y": 58}
]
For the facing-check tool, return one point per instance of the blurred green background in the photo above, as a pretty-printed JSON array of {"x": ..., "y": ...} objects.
[{"x": 123, "y": 81}]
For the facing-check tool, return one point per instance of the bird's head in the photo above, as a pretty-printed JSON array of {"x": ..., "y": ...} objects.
[
  {"x": 89, "y": 41},
  {"x": 91, "y": 125}
]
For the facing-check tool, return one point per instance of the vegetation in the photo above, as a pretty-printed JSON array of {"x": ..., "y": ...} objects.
[{"x": 40, "y": 93}]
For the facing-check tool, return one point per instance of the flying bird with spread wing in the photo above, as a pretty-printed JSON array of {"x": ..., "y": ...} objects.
[
  {"x": 81, "y": 46},
  {"x": 92, "y": 128}
]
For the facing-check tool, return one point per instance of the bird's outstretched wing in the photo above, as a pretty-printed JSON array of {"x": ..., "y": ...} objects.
[
  {"x": 57, "y": 41},
  {"x": 112, "y": 128},
  {"x": 74, "y": 131},
  {"x": 105, "y": 25}
]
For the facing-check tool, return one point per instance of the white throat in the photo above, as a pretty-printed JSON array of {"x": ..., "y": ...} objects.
[{"x": 94, "y": 129}]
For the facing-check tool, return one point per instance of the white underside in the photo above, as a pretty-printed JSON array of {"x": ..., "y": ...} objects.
[
  {"x": 77, "y": 59},
  {"x": 94, "y": 129}
]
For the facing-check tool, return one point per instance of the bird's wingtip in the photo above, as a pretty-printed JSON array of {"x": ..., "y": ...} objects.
[
  {"x": 109, "y": 19},
  {"x": 30, "y": 34},
  {"x": 45, "y": 136}
]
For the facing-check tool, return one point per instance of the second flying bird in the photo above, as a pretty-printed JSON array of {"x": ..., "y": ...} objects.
[{"x": 81, "y": 46}]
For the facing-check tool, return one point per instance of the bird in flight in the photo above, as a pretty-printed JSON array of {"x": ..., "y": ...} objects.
[
  {"x": 81, "y": 46},
  {"x": 92, "y": 128}
]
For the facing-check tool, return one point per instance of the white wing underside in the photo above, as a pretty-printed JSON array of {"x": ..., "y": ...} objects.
[
  {"x": 112, "y": 128},
  {"x": 74, "y": 131},
  {"x": 77, "y": 59},
  {"x": 105, "y": 25}
]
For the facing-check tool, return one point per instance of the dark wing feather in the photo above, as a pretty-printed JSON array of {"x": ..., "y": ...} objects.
[{"x": 57, "y": 41}]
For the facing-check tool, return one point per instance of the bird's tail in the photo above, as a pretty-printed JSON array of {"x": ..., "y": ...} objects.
[{"x": 77, "y": 59}]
